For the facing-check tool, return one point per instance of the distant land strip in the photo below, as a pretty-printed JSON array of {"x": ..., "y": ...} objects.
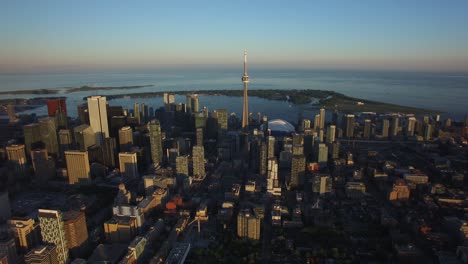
[
  {"x": 313, "y": 98},
  {"x": 308, "y": 98},
  {"x": 75, "y": 89}
]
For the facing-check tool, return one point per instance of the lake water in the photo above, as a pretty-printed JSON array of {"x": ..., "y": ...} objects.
[{"x": 438, "y": 91}]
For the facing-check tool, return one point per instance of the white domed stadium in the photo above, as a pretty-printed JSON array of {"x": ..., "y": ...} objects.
[{"x": 280, "y": 127}]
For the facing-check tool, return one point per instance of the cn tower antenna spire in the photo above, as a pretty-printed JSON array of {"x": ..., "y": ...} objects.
[
  {"x": 245, "y": 62},
  {"x": 245, "y": 109}
]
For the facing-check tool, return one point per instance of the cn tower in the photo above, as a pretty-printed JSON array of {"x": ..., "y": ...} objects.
[{"x": 245, "y": 109}]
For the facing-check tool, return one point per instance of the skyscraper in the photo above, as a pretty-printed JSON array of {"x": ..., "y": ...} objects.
[
  {"x": 52, "y": 230},
  {"x": 27, "y": 233},
  {"x": 297, "y": 171},
  {"x": 317, "y": 122},
  {"x": 271, "y": 146},
  {"x": 198, "y": 158},
  {"x": 322, "y": 118},
  {"x": 84, "y": 137},
  {"x": 349, "y": 126},
  {"x": 154, "y": 131},
  {"x": 273, "y": 185},
  {"x": 385, "y": 127},
  {"x": 169, "y": 100},
  {"x": 427, "y": 131},
  {"x": 192, "y": 104},
  {"x": 77, "y": 166},
  {"x": 17, "y": 157},
  {"x": 128, "y": 164},
  {"x": 248, "y": 225},
  {"x": 65, "y": 140},
  {"x": 97, "y": 107},
  {"x": 322, "y": 153},
  {"x": 245, "y": 108},
  {"x": 222, "y": 118},
  {"x": 395, "y": 126},
  {"x": 57, "y": 108},
  {"x": 263, "y": 158},
  {"x": 136, "y": 112},
  {"x": 125, "y": 138},
  {"x": 331, "y": 134},
  {"x": 48, "y": 131},
  {"x": 411, "y": 125},
  {"x": 199, "y": 136},
  {"x": 367, "y": 128},
  {"x": 32, "y": 136},
  {"x": 182, "y": 167},
  {"x": 56, "y": 105}
]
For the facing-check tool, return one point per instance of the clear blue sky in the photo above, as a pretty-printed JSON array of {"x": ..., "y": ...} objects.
[{"x": 98, "y": 34}]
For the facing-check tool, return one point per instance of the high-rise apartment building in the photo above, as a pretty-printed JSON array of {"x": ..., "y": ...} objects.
[
  {"x": 322, "y": 118},
  {"x": 298, "y": 165},
  {"x": 273, "y": 185},
  {"x": 385, "y": 127},
  {"x": 136, "y": 112},
  {"x": 221, "y": 117},
  {"x": 169, "y": 100},
  {"x": 43, "y": 254},
  {"x": 248, "y": 225},
  {"x": 77, "y": 166},
  {"x": 199, "y": 136},
  {"x": 97, "y": 108},
  {"x": 367, "y": 128},
  {"x": 263, "y": 156},
  {"x": 53, "y": 232},
  {"x": 154, "y": 131},
  {"x": 427, "y": 131},
  {"x": 192, "y": 105},
  {"x": 322, "y": 153},
  {"x": 331, "y": 131},
  {"x": 411, "y": 126},
  {"x": 271, "y": 146},
  {"x": 198, "y": 160},
  {"x": 76, "y": 233},
  {"x": 317, "y": 122},
  {"x": 395, "y": 127},
  {"x": 349, "y": 126},
  {"x": 182, "y": 166}
]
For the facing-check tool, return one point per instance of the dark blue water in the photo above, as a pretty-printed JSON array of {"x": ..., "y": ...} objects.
[{"x": 438, "y": 91}]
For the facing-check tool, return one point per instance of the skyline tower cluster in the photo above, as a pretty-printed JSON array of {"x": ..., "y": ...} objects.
[{"x": 144, "y": 179}]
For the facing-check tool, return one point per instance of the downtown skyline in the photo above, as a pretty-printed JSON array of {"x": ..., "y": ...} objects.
[{"x": 78, "y": 37}]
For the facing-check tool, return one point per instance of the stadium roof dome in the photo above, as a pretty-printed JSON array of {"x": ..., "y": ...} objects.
[{"x": 281, "y": 126}]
